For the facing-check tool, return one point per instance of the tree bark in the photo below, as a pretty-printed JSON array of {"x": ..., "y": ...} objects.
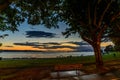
[
  {"x": 97, "y": 51},
  {"x": 98, "y": 55}
]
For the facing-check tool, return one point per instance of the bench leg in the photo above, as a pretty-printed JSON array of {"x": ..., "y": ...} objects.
[
  {"x": 77, "y": 72},
  {"x": 58, "y": 75}
]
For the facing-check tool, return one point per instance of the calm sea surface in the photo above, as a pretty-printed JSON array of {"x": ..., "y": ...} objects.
[{"x": 42, "y": 54}]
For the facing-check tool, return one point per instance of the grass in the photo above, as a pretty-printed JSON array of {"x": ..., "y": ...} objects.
[
  {"x": 111, "y": 56},
  {"x": 20, "y": 63}
]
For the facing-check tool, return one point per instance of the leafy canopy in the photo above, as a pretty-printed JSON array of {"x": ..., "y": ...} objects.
[{"x": 87, "y": 17}]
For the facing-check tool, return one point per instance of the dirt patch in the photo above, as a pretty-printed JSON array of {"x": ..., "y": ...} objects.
[{"x": 34, "y": 73}]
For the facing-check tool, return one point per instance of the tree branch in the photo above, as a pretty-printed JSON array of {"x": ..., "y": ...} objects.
[
  {"x": 89, "y": 18},
  {"x": 98, "y": 1},
  {"x": 103, "y": 29},
  {"x": 115, "y": 16},
  {"x": 112, "y": 19},
  {"x": 95, "y": 14},
  {"x": 5, "y": 5},
  {"x": 86, "y": 39},
  {"x": 81, "y": 21},
  {"x": 102, "y": 16},
  {"x": 118, "y": 26}
]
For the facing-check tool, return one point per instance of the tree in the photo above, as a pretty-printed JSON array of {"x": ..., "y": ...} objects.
[
  {"x": 89, "y": 18},
  {"x": 116, "y": 41},
  {"x": 114, "y": 35},
  {"x": 108, "y": 49}
]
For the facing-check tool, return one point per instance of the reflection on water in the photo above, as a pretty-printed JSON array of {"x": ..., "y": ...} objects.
[{"x": 42, "y": 54}]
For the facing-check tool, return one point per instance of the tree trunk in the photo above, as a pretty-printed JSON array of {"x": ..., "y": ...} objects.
[
  {"x": 95, "y": 43},
  {"x": 98, "y": 55}
]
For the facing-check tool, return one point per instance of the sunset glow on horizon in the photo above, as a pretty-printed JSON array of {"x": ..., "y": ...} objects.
[
  {"x": 40, "y": 38},
  {"x": 48, "y": 47}
]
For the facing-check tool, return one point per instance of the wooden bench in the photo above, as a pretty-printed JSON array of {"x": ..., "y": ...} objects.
[{"x": 67, "y": 67}]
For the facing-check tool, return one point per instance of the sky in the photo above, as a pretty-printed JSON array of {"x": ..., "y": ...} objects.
[{"x": 40, "y": 38}]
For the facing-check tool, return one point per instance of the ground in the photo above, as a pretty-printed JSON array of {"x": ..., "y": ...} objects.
[
  {"x": 43, "y": 72},
  {"x": 40, "y": 69},
  {"x": 33, "y": 73}
]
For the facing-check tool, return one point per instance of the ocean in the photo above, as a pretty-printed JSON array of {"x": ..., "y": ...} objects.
[{"x": 42, "y": 54}]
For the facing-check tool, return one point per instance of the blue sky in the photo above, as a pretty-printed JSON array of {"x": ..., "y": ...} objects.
[
  {"x": 38, "y": 34},
  {"x": 39, "y": 37}
]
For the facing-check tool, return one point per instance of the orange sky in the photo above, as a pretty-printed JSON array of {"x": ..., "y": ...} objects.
[{"x": 18, "y": 47}]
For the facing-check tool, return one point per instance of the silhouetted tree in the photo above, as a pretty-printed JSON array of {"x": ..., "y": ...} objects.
[
  {"x": 116, "y": 41},
  {"x": 114, "y": 35},
  {"x": 91, "y": 19},
  {"x": 109, "y": 48}
]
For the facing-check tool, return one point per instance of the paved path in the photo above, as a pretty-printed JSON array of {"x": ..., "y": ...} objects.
[{"x": 107, "y": 76}]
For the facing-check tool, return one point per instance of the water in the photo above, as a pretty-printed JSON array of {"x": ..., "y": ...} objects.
[{"x": 42, "y": 54}]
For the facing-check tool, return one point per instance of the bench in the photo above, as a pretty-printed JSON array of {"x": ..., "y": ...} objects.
[{"x": 67, "y": 67}]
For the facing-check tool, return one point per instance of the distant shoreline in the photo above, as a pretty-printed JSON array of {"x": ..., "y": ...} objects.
[
  {"x": 20, "y": 51},
  {"x": 40, "y": 51},
  {"x": 28, "y": 54}
]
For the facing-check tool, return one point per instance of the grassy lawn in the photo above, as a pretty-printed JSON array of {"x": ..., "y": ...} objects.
[
  {"x": 52, "y": 61},
  {"x": 111, "y": 56}
]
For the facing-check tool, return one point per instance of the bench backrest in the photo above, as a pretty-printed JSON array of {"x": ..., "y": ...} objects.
[{"x": 65, "y": 67}]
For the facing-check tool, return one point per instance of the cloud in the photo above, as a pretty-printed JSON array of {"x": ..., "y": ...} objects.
[
  {"x": 56, "y": 47},
  {"x": 27, "y": 44},
  {"x": 52, "y": 43},
  {"x": 79, "y": 43},
  {"x": 49, "y": 45},
  {"x": 80, "y": 46},
  {"x": 84, "y": 48},
  {"x": 8, "y": 46},
  {"x": 40, "y": 34}
]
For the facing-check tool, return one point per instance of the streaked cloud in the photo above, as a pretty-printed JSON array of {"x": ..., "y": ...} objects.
[
  {"x": 40, "y": 34},
  {"x": 72, "y": 46},
  {"x": 79, "y": 43},
  {"x": 27, "y": 44},
  {"x": 9, "y": 46}
]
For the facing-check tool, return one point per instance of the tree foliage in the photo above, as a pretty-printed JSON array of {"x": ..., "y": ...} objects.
[
  {"x": 48, "y": 12},
  {"x": 10, "y": 16},
  {"x": 91, "y": 17},
  {"x": 114, "y": 35},
  {"x": 14, "y": 12}
]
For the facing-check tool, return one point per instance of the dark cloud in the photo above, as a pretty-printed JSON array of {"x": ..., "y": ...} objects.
[
  {"x": 51, "y": 43},
  {"x": 8, "y": 46},
  {"x": 27, "y": 44},
  {"x": 79, "y": 43},
  {"x": 82, "y": 46},
  {"x": 56, "y": 47},
  {"x": 40, "y": 34}
]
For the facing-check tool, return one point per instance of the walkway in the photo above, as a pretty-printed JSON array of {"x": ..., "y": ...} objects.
[{"x": 107, "y": 76}]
